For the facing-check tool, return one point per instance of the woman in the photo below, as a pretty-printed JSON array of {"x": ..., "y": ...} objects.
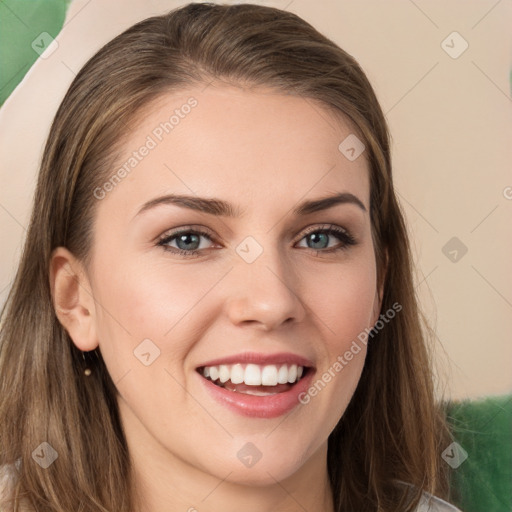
[{"x": 215, "y": 308}]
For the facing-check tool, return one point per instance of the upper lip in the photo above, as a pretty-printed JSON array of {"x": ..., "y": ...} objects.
[{"x": 261, "y": 359}]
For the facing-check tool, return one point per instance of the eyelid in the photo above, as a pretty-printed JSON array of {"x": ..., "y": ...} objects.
[
  {"x": 322, "y": 227},
  {"x": 185, "y": 229}
]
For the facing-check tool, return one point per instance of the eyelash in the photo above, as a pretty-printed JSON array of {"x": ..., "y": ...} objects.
[{"x": 345, "y": 237}]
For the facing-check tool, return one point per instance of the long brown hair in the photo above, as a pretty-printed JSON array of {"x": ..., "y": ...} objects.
[{"x": 392, "y": 431}]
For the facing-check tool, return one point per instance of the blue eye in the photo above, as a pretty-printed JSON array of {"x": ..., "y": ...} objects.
[
  {"x": 319, "y": 236},
  {"x": 188, "y": 240}
]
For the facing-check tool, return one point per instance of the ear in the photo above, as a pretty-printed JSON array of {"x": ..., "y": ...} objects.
[{"x": 72, "y": 298}]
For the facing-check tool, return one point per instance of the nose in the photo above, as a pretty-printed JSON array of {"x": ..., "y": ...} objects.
[{"x": 264, "y": 292}]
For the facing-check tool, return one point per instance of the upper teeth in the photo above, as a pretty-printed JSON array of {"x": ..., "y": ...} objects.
[{"x": 255, "y": 375}]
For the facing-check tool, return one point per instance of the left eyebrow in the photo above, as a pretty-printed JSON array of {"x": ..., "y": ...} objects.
[
  {"x": 219, "y": 207},
  {"x": 316, "y": 205}
]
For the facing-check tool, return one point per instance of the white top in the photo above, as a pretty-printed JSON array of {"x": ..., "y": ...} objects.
[
  {"x": 431, "y": 503},
  {"x": 428, "y": 503}
]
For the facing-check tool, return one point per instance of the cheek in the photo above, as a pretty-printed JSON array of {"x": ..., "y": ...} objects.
[
  {"x": 343, "y": 309},
  {"x": 146, "y": 326},
  {"x": 159, "y": 302},
  {"x": 343, "y": 301}
]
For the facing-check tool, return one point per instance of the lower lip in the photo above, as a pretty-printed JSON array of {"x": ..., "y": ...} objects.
[{"x": 270, "y": 406}]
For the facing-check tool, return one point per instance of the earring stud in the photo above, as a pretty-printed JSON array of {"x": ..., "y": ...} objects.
[{"x": 87, "y": 371}]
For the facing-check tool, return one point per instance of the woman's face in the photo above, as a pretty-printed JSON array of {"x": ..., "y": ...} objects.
[{"x": 247, "y": 286}]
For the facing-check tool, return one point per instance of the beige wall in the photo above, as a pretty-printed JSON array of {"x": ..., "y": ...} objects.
[{"x": 451, "y": 124}]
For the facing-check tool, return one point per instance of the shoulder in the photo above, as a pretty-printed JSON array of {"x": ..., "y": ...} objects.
[
  {"x": 7, "y": 481},
  {"x": 429, "y": 503},
  {"x": 8, "y": 477}
]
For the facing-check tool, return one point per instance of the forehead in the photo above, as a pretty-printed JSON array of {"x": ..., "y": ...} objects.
[{"x": 251, "y": 146}]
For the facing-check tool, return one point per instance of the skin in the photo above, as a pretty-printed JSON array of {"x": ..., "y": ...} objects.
[{"x": 265, "y": 152}]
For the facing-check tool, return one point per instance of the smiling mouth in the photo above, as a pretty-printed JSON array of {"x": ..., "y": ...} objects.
[{"x": 254, "y": 379}]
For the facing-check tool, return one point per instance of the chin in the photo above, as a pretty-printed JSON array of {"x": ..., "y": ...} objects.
[{"x": 259, "y": 472}]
